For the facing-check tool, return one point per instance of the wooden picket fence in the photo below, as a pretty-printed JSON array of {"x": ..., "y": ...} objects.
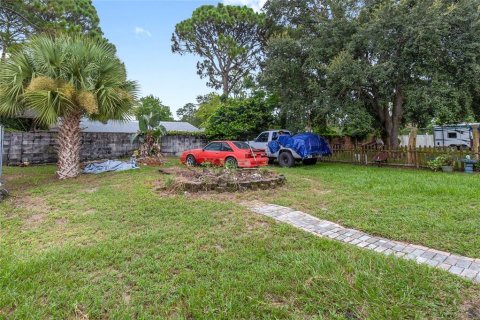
[{"x": 403, "y": 156}]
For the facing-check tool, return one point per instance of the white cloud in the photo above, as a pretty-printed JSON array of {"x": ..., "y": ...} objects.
[
  {"x": 256, "y": 5},
  {"x": 142, "y": 32}
]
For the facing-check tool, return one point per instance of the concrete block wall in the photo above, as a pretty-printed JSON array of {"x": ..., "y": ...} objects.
[
  {"x": 106, "y": 145},
  {"x": 174, "y": 145},
  {"x": 34, "y": 147},
  {"x": 41, "y": 147}
]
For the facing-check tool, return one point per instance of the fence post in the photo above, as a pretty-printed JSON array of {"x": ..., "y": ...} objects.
[
  {"x": 476, "y": 141},
  {"x": 412, "y": 144},
  {"x": 417, "y": 159}
]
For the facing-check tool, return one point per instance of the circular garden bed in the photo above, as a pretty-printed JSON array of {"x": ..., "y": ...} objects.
[{"x": 220, "y": 179}]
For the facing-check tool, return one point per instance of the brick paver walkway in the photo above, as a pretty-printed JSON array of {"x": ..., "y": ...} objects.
[{"x": 462, "y": 266}]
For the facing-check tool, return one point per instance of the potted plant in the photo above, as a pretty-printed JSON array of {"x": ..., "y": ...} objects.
[
  {"x": 441, "y": 162},
  {"x": 447, "y": 163}
]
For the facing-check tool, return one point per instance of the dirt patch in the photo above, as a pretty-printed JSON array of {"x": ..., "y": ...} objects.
[
  {"x": 8, "y": 312},
  {"x": 152, "y": 161},
  {"x": 88, "y": 212},
  {"x": 61, "y": 222},
  {"x": 277, "y": 301},
  {"x": 13, "y": 176},
  {"x": 470, "y": 309},
  {"x": 91, "y": 190},
  {"x": 257, "y": 224},
  {"x": 34, "y": 220},
  {"x": 126, "y": 298},
  {"x": 80, "y": 313},
  {"x": 32, "y": 204}
]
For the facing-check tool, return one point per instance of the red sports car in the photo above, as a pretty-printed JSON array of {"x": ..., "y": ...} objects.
[{"x": 230, "y": 153}]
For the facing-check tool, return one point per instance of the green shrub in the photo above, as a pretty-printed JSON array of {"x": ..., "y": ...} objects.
[
  {"x": 440, "y": 161},
  {"x": 199, "y": 134},
  {"x": 476, "y": 166}
]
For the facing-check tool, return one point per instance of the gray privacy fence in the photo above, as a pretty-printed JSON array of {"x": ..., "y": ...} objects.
[{"x": 40, "y": 147}]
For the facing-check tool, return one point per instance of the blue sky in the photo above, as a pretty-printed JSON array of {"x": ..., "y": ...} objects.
[{"x": 141, "y": 31}]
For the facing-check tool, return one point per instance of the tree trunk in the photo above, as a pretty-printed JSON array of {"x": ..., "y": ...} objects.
[
  {"x": 69, "y": 147},
  {"x": 225, "y": 86},
  {"x": 397, "y": 114},
  {"x": 387, "y": 127}
]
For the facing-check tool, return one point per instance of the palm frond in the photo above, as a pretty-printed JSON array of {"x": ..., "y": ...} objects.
[
  {"x": 58, "y": 76},
  {"x": 41, "y": 102}
]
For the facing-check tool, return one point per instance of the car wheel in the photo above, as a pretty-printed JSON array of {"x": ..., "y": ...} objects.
[
  {"x": 310, "y": 161},
  {"x": 285, "y": 159},
  {"x": 231, "y": 162},
  {"x": 190, "y": 161}
]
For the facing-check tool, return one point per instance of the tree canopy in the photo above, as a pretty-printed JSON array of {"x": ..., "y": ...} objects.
[
  {"x": 207, "y": 105},
  {"x": 385, "y": 62},
  {"x": 21, "y": 18},
  {"x": 242, "y": 118},
  {"x": 227, "y": 38},
  {"x": 153, "y": 107},
  {"x": 188, "y": 113}
]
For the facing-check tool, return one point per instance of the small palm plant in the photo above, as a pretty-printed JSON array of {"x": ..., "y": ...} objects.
[
  {"x": 150, "y": 134},
  {"x": 62, "y": 80}
]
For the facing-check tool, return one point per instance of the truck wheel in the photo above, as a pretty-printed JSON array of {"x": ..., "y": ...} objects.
[
  {"x": 285, "y": 159},
  {"x": 310, "y": 161}
]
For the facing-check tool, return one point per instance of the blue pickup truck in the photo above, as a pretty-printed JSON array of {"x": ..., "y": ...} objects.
[{"x": 305, "y": 147}]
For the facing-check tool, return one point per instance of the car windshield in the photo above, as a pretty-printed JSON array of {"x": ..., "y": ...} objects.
[{"x": 241, "y": 145}]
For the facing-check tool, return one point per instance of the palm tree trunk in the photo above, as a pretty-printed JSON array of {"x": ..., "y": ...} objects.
[{"x": 69, "y": 147}]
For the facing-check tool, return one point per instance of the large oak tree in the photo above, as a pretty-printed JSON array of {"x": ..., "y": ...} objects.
[{"x": 385, "y": 62}]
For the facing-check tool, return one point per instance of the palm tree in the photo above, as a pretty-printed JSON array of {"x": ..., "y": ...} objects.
[{"x": 62, "y": 80}]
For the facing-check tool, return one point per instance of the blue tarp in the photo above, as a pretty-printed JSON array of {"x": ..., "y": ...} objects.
[
  {"x": 305, "y": 144},
  {"x": 110, "y": 165}
]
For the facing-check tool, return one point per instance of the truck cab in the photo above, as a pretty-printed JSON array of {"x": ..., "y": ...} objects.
[{"x": 262, "y": 140}]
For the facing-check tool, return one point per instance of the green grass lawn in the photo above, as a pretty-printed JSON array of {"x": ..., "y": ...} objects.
[
  {"x": 109, "y": 246},
  {"x": 438, "y": 210}
]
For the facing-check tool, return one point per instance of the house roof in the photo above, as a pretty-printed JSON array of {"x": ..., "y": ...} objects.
[
  {"x": 130, "y": 126},
  {"x": 179, "y": 126}
]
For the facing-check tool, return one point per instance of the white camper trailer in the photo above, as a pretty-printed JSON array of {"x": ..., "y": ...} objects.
[{"x": 455, "y": 135}]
